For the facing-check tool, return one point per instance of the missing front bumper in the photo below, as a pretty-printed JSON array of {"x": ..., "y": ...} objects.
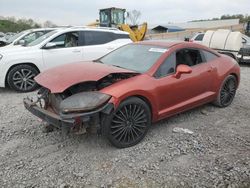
[
  {"x": 68, "y": 120},
  {"x": 47, "y": 116}
]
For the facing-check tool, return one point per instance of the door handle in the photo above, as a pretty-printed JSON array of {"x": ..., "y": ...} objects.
[{"x": 76, "y": 51}]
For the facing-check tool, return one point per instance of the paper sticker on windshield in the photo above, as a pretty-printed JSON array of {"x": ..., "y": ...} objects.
[{"x": 160, "y": 50}]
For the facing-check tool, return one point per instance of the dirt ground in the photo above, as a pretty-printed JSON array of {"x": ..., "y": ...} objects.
[{"x": 217, "y": 154}]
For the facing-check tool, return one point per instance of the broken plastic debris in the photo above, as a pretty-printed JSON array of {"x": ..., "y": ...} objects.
[{"x": 182, "y": 130}]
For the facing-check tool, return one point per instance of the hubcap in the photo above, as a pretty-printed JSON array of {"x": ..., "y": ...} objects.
[
  {"x": 228, "y": 91},
  {"x": 129, "y": 124},
  {"x": 24, "y": 79}
]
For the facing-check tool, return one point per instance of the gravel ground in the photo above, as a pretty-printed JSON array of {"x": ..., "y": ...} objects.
[{"x": 217, "y": 154}]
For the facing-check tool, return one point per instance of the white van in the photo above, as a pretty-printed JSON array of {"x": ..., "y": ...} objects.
[{"x": 224, "y": 41}]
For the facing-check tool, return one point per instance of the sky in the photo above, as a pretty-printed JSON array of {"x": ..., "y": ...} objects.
[{"x": 82, "y": 12}]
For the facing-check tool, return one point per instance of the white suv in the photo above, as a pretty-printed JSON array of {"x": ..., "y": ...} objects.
[{"x": 18, "y": 66}]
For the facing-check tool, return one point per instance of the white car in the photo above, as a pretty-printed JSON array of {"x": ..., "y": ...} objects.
[
  {"x": 19, "y": 66},
  {"x": 2, "y": 39},
  {"x": 245, "y": 41},
  {"x": 27, "y": 36},
  {"x": 197, "y": 38}
]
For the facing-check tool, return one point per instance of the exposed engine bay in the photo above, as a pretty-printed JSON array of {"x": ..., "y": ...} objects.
[
  {"x": 54, "y": 100},
  {"x": 96, "y": 85}
]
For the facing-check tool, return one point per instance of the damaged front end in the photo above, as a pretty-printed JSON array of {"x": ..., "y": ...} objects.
[{"x": 79, "y": 108}]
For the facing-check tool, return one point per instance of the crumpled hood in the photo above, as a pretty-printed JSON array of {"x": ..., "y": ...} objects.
[{"x": 62, "y": 77}]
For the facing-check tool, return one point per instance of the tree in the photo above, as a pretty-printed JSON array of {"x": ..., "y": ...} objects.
[
  {"x": 133, "y": 16},
  {"x": 12, "y": 24},
  {"x": 243, "y": 18},
  {"x": 48, "y": 24}
]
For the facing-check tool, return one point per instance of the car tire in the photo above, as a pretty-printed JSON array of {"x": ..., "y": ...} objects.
[
  {"x": 128, "y": 124},
  {"x": 21, "y": 78},
  {"x": 227, "y": 92}
]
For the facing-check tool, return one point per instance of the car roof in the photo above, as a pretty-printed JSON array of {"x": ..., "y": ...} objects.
[
  {"x": 170, "y": 44},
  {"x": 84, "y": 28},
  {"x": 38, "y": 29},
  {"x": 160, "y": 43}
]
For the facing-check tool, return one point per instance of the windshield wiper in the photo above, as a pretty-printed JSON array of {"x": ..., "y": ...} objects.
[
  {"x": 118, "y": 66},
  {"x": 98, "y": 60}
]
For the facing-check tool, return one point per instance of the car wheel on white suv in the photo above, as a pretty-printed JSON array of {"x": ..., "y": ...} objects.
[{"x": 21, "y": 78}]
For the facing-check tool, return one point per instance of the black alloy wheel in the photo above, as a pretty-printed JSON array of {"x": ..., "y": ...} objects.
[
  {"x": 227, "y": 92},
  {"x": 129, "y": 124},
  {"x": 21, "y": 78}
]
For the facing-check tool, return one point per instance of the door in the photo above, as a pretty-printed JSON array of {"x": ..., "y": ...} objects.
[
  {"x": 177, "y": 94},
  {"x": 67, "y": 49}
]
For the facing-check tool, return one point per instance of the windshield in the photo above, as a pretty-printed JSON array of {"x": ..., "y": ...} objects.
[
  {"x": 11, "y": 39},
  {"x": 42, "y": 38},
  {"x": 138, "y": 58}
]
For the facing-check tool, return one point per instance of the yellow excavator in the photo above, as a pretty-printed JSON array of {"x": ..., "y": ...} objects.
[{"x": 115, "y": 17}]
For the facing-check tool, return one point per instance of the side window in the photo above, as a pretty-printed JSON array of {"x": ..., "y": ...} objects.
[
  {"x": 199, "y": 37},
  {"x": 66, "y": 40},
  {"x": 189, "y": 57},
  {"x": 32, "y": 36},
  {"x": 120, "y": 36},
  {"x": 97, "y": 37},
  {"x": 244, "y": 41},
  {"x": 167, "y": 67},
  {"x": 28, "y": 38},
  {"x": 40, "y": 33},
  {"x": 209, "y": 56}
]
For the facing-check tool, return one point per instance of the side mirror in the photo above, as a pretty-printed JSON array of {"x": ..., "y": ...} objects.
[
  {"x": 182, "y": 69},
  {"x": 49, "y": 45}
]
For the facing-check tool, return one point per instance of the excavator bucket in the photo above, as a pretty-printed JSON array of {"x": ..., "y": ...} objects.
[{"x": 136, "y": 33}]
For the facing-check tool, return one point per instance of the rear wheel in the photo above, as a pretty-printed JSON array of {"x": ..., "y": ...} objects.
[
  {"x": 227, "y": 92},
  {"x": 129, "y": 124},
  {"x": 21, "y": 78}
]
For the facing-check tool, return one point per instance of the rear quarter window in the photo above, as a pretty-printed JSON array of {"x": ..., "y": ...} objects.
[
  {"x": 120, "y": 36},
  {"x": 209, "y": 56},
  {"x": 97, "y": 37}
]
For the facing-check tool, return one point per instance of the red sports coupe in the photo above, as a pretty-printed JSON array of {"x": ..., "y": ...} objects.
[{"x": 122, "y": 93}]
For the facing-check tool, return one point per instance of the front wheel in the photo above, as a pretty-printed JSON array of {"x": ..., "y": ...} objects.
[
  {"x": 128, "y": 124},
  {"x": 227, "y": 92},
  {"x": 21, "y": 78}
]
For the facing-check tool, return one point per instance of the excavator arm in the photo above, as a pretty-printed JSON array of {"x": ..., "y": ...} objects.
[{"x": 136, "y": 33}]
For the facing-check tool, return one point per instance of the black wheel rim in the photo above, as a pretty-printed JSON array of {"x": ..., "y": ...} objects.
[
  {"x": 129, "y": 124},
  {"x": 23, "y": 79},
  {"x": 228, "y": 91}
]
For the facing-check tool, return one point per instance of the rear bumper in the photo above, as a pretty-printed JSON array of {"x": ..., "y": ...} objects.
[{"x": 69, "y": 120}]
